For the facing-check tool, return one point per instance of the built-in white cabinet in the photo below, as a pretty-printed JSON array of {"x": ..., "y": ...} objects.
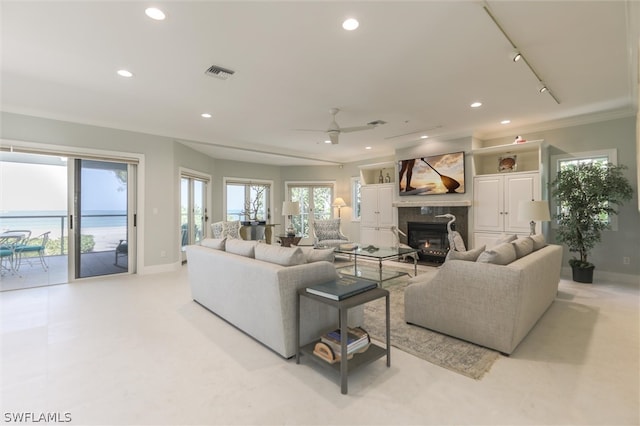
[
  {"x": 495, "y": 205},
  {"x": 377, "y": 215}
]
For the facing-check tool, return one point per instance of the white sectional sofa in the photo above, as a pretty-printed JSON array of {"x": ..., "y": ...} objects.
[
  {"x": 259, "y": 296},
  {"x": 492, "y": 305}
]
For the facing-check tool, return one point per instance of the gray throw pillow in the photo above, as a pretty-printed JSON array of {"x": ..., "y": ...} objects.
[
  {"x": 523, "y": 246},
  {"x": 502, "y": 254},
  {"x": 241, "y": 247},
  {"x": 538, "y": 241},
  {"x": 506, "y": 239},
  {"x": 316, "y": 255},
  {"x": 285, "y": 256},
  {"x": 469, "y": 255}
]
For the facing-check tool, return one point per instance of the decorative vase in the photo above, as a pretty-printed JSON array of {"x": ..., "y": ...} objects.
[{"x": 583, "y": 275}]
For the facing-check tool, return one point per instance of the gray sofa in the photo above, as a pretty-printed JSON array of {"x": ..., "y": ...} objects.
[
  {"x": 259, "y": 296},
  {"x": 488, "y": 304}
]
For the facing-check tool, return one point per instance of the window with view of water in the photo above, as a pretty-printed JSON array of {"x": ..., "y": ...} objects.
[{"x": 248, "y": 200}]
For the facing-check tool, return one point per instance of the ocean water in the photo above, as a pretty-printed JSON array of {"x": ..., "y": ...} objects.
[{"x": 55, "y": 221}]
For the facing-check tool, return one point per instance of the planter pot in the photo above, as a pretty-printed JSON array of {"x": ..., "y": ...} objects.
[{"x": 583, "y": 275}]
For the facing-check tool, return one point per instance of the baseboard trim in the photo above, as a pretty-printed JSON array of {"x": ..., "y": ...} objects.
[{"x": 605, "y": 276}]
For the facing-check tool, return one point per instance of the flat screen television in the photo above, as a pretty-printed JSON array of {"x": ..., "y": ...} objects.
[{"x": 432, "y": 175}]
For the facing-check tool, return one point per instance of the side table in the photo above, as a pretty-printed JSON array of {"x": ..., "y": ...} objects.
[
  {"x": 345, "y": 366},
  {"x": 286, "y": 240}
]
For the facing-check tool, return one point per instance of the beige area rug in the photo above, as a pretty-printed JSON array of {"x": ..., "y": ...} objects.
[{"x": 456, "y": 355}]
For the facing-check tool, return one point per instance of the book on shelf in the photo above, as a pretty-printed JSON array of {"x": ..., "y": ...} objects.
[
  {"x": 357, "y": 340},
  {"x": 341, "y": 288}
]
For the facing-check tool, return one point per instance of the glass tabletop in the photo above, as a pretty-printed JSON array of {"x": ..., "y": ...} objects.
[{"x": 377, "y": 252}]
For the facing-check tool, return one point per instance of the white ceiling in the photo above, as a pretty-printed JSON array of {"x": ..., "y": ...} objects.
[{"x": 416, "y": 65}]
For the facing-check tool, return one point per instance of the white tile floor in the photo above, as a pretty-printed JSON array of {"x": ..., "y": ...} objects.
[{"x": 137, "y": 350}]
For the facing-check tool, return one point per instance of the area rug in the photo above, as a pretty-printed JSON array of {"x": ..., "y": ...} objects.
[{"x": 456, "y": 355}]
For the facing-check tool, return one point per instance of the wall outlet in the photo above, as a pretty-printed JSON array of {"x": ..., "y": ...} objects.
[
  {"x": 163, "y": 253},
  {"x": 626, "y": 260}
]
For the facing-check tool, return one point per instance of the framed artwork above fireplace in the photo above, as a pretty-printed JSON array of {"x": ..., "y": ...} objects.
[{"x": 432, "y": 175}]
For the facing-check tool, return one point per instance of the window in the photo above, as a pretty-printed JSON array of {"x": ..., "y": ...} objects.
[
  {"x": 247, "y": 200},
  {"x": 355, "y": 197},
  {"x": 560, "y": 162},
  {"x": 315, "y": 204}
]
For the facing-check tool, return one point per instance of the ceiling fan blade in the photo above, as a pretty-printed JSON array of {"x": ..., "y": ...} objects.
[
  {"x": 309, "y": 130},
  {"x": 333, "y": 135},
  {"x": 356, "y": 129}
]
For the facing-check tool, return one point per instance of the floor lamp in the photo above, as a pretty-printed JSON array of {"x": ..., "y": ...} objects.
[
  {"x": 290, "y": 208},
  {"x": 339, "y": 202},
  {"x": 534, "y": 211}
]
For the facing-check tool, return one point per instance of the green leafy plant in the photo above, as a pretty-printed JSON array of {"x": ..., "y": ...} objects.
[
  {"x": 87, "y": 242},
  {"x": 587, "y": 195}
]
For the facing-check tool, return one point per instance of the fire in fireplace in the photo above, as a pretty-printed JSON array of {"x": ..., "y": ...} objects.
[{"x": 430, "y": 239}]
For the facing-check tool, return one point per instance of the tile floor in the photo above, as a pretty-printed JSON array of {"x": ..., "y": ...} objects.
[{"x": 136, "y": 350}]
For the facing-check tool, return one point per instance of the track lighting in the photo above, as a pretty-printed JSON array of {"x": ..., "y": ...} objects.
[
  {"x": 542, "y": 88},
  {"x": 515, "y": 56}
]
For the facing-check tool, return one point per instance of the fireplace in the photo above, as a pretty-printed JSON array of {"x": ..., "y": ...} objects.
[{"x": 430, "y": 239}]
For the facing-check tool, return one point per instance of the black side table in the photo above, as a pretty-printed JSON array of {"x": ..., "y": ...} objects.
[{"x": 345, "y": 366}]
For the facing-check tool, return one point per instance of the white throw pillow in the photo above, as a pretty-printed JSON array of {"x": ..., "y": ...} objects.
[
  {"x": 523, "y": 246},
  {"x": 538, "y": 241},
  {"x": 506, "y": 239},
  {"x": 214, "y": 243},
  {"x": 502, "y": 254},
  {"x": 469, "y": 255},
  {"x": 241, "y": 247},
  {"x": 316, "y": 255},
  {"x": 285, "y": 256}
]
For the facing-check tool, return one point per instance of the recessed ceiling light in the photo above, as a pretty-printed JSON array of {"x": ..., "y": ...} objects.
[
  {"x": 205, "y": 115},
  {"x": 155, "y": 13},
  {"x": 327, "y": 141},
  {"x": 424, "y": 137},
  {"x": 476, "y": 105},
  {"x": 350, "y": 24},
  {"x": 367, "y": 147},
  {"x": 125, "y": 73},
  {"x": 505, "y": 122}
]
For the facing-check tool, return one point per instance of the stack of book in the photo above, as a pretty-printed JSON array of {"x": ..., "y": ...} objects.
[
  {"x": 329, "y": 348},
  {"x": 341, "y": 288}
]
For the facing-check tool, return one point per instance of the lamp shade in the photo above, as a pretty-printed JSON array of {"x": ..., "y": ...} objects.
[
  {"x": 534, "y": 211},
  {"x": 339, "y": 202},
  {"x": 290, "y": 208}
]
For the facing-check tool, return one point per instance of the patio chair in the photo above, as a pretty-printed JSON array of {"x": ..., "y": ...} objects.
[
  {"x": 33, "y": 245},
  {"x": 122, "y": 249}
]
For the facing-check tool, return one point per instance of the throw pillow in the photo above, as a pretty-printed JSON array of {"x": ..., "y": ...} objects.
[
  {"x": 502, "y": 254},
  {"x": 469, "y": 255},
  {"x": 523, "y": 246},
  {"x": 316, "y": 255},
  {"x": 285, "y": 256},
  {"x": 538, "y": 241},
  {"x": 506, "y": 239},
  {"x": 217, "y": 229},
  {"x": 241, "y": 247},
  {"x": 214, "y": 243}
]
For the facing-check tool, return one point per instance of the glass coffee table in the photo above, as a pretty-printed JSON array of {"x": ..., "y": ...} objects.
[{"x": 380, "y": 254}]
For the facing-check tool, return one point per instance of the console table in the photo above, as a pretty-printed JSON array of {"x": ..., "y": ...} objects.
[{"x": 346, "y": 365}]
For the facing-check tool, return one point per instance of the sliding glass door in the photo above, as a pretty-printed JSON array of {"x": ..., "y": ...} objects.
[
  {"x": 193, "y": 210},
  {"x": 102, "y": 243}
]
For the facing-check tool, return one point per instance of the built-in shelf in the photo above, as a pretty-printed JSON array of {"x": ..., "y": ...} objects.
[
  {"x": 370, "y": 173},
  {"x": 528, "y": 157},
  {"x": 427, "y": 203}
]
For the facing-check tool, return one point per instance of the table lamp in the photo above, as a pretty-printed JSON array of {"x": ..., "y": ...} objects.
[
  {"x": 290, "y": 208},
  {"x": 339, "y": 202},
  {"x": 534, "y": 211}
]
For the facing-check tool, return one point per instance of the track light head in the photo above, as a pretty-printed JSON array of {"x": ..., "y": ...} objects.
[
  {"x": 542, "y": 88},
  {"x": 515, "y": 56}
]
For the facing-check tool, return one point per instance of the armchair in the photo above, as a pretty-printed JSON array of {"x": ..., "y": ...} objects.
[{"x": 327, "y": 233}]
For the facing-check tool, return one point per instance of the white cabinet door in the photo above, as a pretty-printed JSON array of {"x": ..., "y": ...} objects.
[
  {"x": 386, "y": 218},
  {"x": 369, "y": 206},
  {"x": 377, "y": 215},
  {"x": 519, "y": 188},
  {"x": 368, "y": 236},
  {"x": 488, "y": 196}
]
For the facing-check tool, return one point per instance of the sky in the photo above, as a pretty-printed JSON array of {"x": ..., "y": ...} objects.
[{"x": 26, "y": 186}]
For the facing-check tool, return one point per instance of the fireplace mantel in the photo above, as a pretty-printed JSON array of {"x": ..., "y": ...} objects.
[{"x": 426, "y": 203}]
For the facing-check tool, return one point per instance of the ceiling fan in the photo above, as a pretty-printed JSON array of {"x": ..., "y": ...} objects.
[{"x": 334, "y": 129}]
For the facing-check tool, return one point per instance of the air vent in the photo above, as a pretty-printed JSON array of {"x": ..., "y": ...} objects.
[{"x": 219, "y": 72}]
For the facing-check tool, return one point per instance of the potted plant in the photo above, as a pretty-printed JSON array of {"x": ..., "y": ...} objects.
[{"x": 587, "y": 195}]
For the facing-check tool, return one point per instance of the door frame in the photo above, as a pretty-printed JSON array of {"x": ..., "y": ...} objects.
[
  {"x": 184, "y": 172},
  {"x": 95, "y": 154}
]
